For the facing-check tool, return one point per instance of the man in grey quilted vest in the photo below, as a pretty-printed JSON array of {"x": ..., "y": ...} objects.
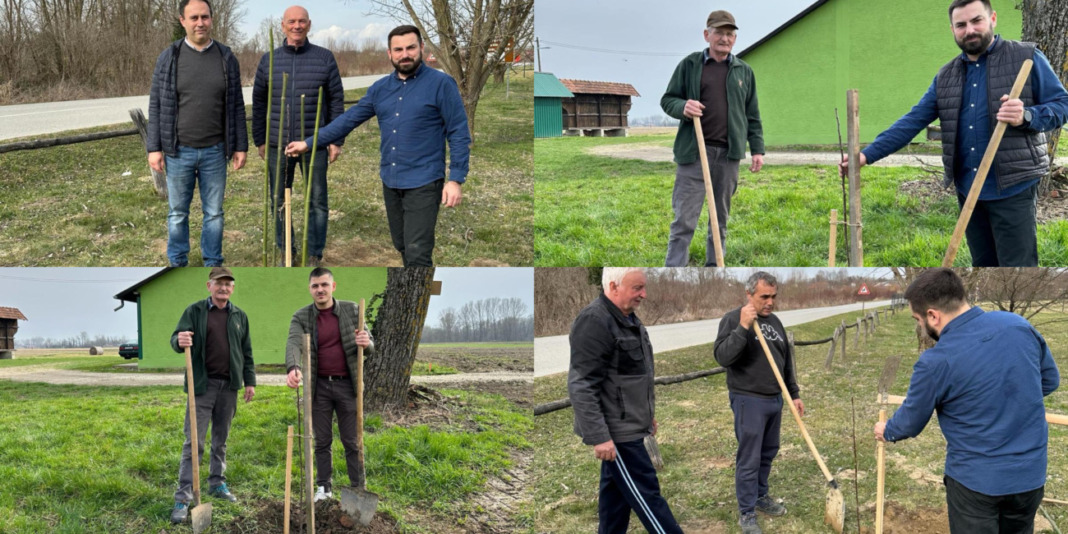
[
  {"x": 969, "y": 96},
  {"x": 309, "y": 67}
]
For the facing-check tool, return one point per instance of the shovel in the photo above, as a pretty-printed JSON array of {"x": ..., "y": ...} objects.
[
  {"x": 835, "y": 511},
  {"x": 653, "y": 448},
  {"x": 885, "y": 381},
  {"x": 713, "y": 218},
  {"x": 199, "y": 514},
  {"x": 356, "y": 500},
  {"x": 984, "y": 168}
]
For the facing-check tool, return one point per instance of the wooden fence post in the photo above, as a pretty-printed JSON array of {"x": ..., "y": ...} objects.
[
  {"x": 830, "y": 353},
  {"x": 159, "y": 179},
  {"x": 844, "y": 339}
]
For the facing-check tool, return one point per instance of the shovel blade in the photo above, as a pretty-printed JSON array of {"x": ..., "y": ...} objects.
[
  {"x": 835, "y": 513},
  {"x": 653, "y": 448},
  {"x": 360, "y": 504},
  {"x": 200, "y": 517}
]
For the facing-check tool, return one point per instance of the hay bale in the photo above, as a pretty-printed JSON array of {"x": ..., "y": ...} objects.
[{"x": 96, "y": 351}]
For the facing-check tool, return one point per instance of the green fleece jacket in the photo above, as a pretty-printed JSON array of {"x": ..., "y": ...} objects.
[
  {"x": 743, "y": 114},
  {"x": 242, "y": 368}
]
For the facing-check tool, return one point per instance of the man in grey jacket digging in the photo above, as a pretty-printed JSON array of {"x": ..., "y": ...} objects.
[
  {"x": 610, "y": 383},
  {"x": 756, "y": 399}
]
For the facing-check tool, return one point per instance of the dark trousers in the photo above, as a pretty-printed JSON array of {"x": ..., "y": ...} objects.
[
  {"x": 971, "y": 512},
  {"x": 318, "y": 210},
  {"x": 630, "y": 483},
  {"x": 330, "y": 397},
  {"x": 1003, "y": 233},
  {"x": 688, "y": 201},
  {"x": 412, "y": 215},
  {"x": 217, "y": 406},
  {"x": 756, "y": 426}
]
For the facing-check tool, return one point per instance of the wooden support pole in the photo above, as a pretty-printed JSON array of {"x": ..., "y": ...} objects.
[
  {"x": 832, "y": 249},
  {"x": 844, "y": 339},
  {"x": 289, "y": 479},
  {"x": 856, "y": 241},
  {"x": 289, "y": 228},
  {"x": 309, "y": 476}
]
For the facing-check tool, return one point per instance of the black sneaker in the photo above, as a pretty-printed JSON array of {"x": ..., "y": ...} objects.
[
  {"x": 770, "y": 506},
  {"x": 749, "y": 525},
  {"x": 180, "y": 512},
  {"x": 222, "y": 492}
]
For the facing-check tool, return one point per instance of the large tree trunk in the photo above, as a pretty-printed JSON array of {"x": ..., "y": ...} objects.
[
  {"x": 397, "y": 329},
  {"x": 1045, "y": 22}
]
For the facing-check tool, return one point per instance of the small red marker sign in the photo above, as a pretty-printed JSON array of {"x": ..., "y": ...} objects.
[{"x": 863, "y": 291}]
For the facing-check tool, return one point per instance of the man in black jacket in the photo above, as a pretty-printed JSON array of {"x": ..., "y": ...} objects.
[
  {"x": 196, "y": 122},
  {"x": 309, "y": 67},
  {"x": 756, "y": 399},
  {"x": 610, "y": 383}
]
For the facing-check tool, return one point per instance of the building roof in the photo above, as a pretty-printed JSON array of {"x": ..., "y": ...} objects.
[
  {"x": 547, "y": 85},
  {"x": 11, "y": 313},
  {"x": 131, "y": 293},
  {"x": 599, "y": 88},
  {"x": 782, "y": 28}
]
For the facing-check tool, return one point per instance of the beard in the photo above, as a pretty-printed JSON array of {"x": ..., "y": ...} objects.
[
  {"x": 408, "y": 68},
  {"x": 976, "y": 47},
  {"x": 930, "y": 331}
]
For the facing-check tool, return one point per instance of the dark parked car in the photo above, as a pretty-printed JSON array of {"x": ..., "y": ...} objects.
[{"x": 129, "y": 350}]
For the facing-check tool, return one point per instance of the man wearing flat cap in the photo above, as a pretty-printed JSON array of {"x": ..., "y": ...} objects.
[
  {"x": 718, "y": 89},
  {"x": 216, "y": 332}
]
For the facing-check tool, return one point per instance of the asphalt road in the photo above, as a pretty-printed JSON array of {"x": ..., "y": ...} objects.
[
  {"x": 26, "y": 120},
  {"x": 553, "y": 353}
]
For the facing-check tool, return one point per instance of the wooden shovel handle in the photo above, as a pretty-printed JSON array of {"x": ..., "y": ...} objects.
[
  {"x": 880, "y": 457},
  {"x": 789, "y": 402},
  {"x": 984, "y": 169},
  {"x": 713, "y": 218},
  {"x": 1052, "y": 418},
  {"x": 192, "y": 425}
]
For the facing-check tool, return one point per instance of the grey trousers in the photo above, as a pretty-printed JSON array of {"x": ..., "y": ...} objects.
[
  {"x": 330, "y": 397},
  {"x": 688, "y": 198},
  {"x": 217, "y": 405}
]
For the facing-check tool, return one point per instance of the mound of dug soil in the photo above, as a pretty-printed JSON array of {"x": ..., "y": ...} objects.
[{"x": 267, "y": 517}]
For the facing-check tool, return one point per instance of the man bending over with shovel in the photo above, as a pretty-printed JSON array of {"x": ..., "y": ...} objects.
[
  {"x": 610, "y": 384},
  {"x": 216, "y": 332},
  {"x": 986, "y": 377},
  {"x": 718, "y": 90},
  {"x": 755, "y": 396},
  {"x": 331, "y": 381},
  {"x": 969, "y": 96}
]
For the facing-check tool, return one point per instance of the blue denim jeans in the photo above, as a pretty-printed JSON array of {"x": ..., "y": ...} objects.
[
  {"x": 318, "y": 212},
  {"x": 206, "y": 166}
]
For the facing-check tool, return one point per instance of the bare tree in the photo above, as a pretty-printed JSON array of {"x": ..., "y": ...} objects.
[
  {"x": 1023, "y": 291},
  {"x": 1045, "y": 22},
  {"x": 447, "y": 319},
  {"x": 469, "y": 38},
  {"x": 397, "y": 330}
]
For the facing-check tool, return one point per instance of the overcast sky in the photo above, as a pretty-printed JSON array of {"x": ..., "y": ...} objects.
[
  {"x": 639, "y": 42},
  {"x": 343, "y": 20},
  {"x": 62, "y": 302}
]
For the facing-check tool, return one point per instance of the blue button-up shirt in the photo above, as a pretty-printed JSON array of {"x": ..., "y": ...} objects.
[
  {"x": 986, "y": 378},
  {"x": 416, "y": 116},
  {"x": 973, "y": 130}
]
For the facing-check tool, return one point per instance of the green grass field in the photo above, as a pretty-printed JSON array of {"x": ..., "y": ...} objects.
[
  {"x": 73, "y": 206},
  {"x": 105, "y": 459},
  {"x": 594, "y": 210},
  {"x": 698, "y": 446}
]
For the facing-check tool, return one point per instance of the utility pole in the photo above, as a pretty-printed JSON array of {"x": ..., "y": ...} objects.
[{"x": 537, "y": 46}]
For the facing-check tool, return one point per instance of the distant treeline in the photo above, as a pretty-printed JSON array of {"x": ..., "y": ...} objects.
[
  {"x": 74, "y": 342},
  {"x": 492, "y": 319}
]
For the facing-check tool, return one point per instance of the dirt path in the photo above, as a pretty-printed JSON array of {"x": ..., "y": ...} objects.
[
  {"x": 659, "y": 152},
  {"x": 51, "y": 375}
]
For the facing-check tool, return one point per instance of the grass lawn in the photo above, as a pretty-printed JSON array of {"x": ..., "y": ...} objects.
[
  {"x": 105, "y": 459},
  {"x": 698, "y": 446},
  {"x": 595, "y": 210},
  {"x": 73, "y": 206}
]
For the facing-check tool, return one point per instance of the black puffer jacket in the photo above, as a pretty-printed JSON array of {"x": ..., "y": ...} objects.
[
  {"x": 610, "y": 382},
  {"x": 163, "y": 103},
  {"x": 309, "y": 67}
]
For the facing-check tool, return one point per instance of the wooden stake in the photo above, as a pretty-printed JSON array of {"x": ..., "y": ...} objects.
[
  {"x": 832, "y": 250},
  {"x": 713, "y": 217},
  {"x": 984, "y": 168},
  {"x": 309, "y": 477},
  {"x": 289, "y": 479},
  {"x": 289, "y": 228},
  {"x": 880, "y": 479},
  {"x": 856, "y": 241}
]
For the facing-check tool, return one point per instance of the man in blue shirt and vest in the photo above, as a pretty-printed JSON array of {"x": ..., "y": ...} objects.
[
  {"x": 986, "y": 377},
  {"x": 418, "y": 108},
  {"x": 969, "y": 96}
]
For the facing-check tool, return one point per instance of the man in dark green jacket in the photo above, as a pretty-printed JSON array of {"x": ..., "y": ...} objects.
[
  {"x": 216, "y": 331},
  {"x": 720, "y": 89},
  {"x": 331, "y": 381}
]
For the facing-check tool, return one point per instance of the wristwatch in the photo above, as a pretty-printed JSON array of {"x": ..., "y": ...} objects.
[{"x": 1027, "y": 117}]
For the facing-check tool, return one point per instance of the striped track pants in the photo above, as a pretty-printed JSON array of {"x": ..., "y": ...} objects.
[{"x": 630, "y": 483}]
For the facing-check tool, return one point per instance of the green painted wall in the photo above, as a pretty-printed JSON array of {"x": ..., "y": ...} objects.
[
  {"x": 268, "y": 295},
  {"x": 548, "y": 117},
  {"x": 890, "y": 52}
]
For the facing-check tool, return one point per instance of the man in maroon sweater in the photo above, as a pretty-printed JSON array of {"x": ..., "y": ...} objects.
[{"x": 332, "y": 378}]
